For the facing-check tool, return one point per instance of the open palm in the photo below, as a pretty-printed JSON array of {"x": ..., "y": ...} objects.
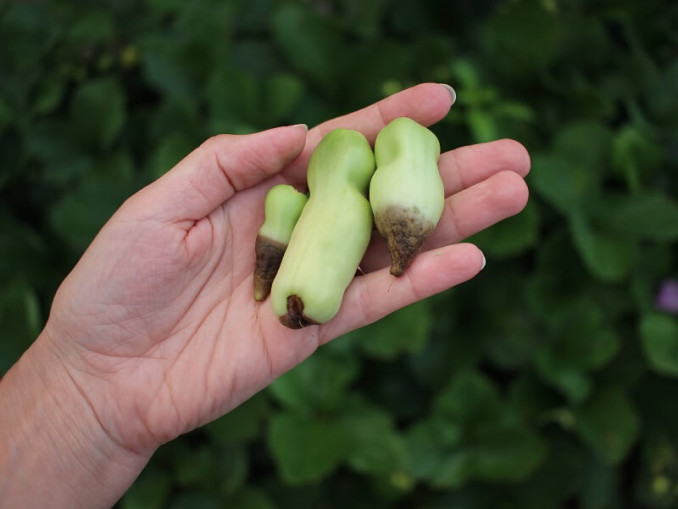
[{"x": 157, "y": 322}]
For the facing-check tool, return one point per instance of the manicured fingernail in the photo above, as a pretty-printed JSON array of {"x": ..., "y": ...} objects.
[
  {"x": 484, "y": 261},
  {"x": 451, "y": 91}
]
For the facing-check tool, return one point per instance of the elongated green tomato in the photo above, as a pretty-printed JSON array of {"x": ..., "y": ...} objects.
[
  {"x": 406, "y": 191},
  {"x": 331, "y": 235},
  {"x": 282, "y": 209}
]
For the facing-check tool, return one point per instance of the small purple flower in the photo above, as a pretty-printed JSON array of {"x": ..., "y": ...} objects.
[{"x": 667, "y": 296}]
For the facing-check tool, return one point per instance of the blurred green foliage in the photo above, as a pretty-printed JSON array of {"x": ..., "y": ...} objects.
[{"x": 549, "y": 381}]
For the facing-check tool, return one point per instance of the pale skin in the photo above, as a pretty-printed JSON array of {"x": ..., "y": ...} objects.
[{"x": 156, "y": 332}]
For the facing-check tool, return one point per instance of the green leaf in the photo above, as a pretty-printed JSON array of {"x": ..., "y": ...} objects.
[
  {"x": 483, "y": 125},
  {"x": 426, "y": 445},
  {"x": 502, "y": 450},
  {"x": 609, "y": 423},
  {"x": 234, "y": 100},
  {"x": 569, "y": 188},
  {"x": 635, "y": 154},
  {"x": 318, "y": 384},
  {"x": 586, "y": 144},
  {"x": 48, "y": 96},
  {"x": 98, "y": 112},
  {"x": 377, "y": 447},
  {"x": 473, "y": 435},
  {"x": 454, "y": 470},
  {"x": 364, "y": 18},
  {"x": 559, "y": 477},
  {"x": 469, "y": 398},
  {"x": 524, "y": 24},
  {"x": 494, "y": 450},
  {"x": 579, "y": 340},
  {"x": 600, "y": 489},
  {"x": 80, "y": 214},
  {"x": 283, "y": 92},
  {"x": 31, "y": 32},
  {"x": 570, "y": 380},
  {"x": 581, "y": 336},
  {"x": 311, "y": 43},
  {"x": 659, "y": 335},
  {"x": 404, "y": 331},
  {"x": 93, "y": 27},
  {"x": 53, "y": 145},
  {"x": 163, "y": 68},
  {"x": 644, "y": 216},
  {"x": 608, "y": 258},
  {"x": 499, "y": 453},
  {"x": 307, "y": 449}
]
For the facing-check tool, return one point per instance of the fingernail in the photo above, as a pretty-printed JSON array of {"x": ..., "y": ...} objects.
[
  {"x": 451, "y": 91},
  {"x": 304, "y": 126},
  {"x": 484, "y": 261}
]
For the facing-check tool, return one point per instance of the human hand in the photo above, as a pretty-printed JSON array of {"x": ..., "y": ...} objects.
[{"x": 156, "y": 326}]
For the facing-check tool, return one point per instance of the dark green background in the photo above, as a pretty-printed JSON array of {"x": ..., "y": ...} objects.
[{"x": 550, "y": 381}]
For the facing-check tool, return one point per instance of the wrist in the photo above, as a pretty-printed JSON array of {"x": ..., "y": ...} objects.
[{"x": 54, "y": 451}]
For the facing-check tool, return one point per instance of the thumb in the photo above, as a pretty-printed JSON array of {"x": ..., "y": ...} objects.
[{"x": 222, "y": 165}]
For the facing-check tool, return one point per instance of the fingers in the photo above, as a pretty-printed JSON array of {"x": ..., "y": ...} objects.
[
  {"x": 375, "y": 295},
  {"x": 467, "y": 212},
  {"x": 224, "y": 164},
  {"x": 465, "y": 166},
  {"x": 426, "y": 103}
]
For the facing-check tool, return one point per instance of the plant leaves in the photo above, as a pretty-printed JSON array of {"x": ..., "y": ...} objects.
[
  {"x": 403, "y": 331},
  {"x": 569, "y": 188},
  {"x": 500, "y": 453},
  {"x": 306, "y": 449},
  {"x": 659, "y": 335},
  {"x": 607, "y": 257},
  {"x": 283, "y": 92},
  {"x": 586, "y": 144},
  {"x": 469, "y": 398},
  {"x": 317, "y": 384},
  {"x": 310, "y": 42},
  {"x": 80, "y": 214},
  {"x": 377, "y": 448},
  {"x": 645, "y": 216},
  {"x": 609, "y": 423},
  {"x": 98, "y": 112}
]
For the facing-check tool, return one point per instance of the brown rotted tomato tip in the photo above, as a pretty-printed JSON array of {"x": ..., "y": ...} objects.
[
  {"x": 295, "y": 319},
  {"x": 269, "y": 254},
  {"x": 405, "y": 232}
]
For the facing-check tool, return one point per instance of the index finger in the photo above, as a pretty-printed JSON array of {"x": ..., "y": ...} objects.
[{"x": 426, "y": 103}]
